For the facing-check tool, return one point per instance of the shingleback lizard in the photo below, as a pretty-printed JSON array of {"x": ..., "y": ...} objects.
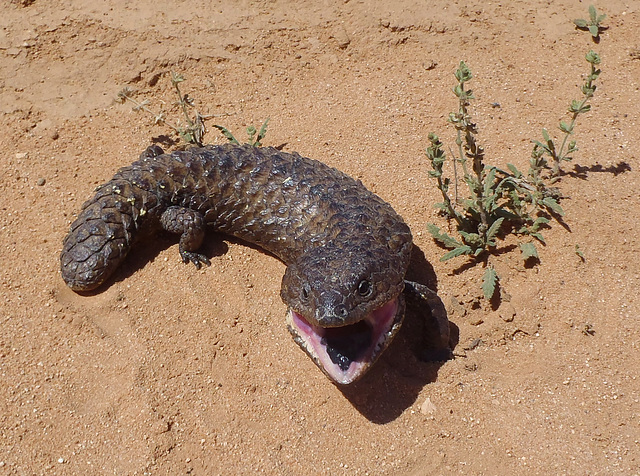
[{"x": 346, "y": 250}]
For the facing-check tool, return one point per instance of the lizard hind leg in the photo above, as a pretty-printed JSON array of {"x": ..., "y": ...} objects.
[
  {"x": 437, "y": 345},
  {"x": 190, "y": 225}
]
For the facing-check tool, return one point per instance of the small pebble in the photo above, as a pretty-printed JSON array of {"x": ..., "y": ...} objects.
[
  {"x": 476, "y": 321},
  {"x": 474, "y": 343},
  {"x": 507, "y": 312},
  {"x": 427, "y": 408},
  {"x": 456, "y": 308},
  {"x": 22, "y": 155},
  {"x": 41, "y": 181},
  {"x": 60, "y": 460},
  {"x": 342, "y": 38}
]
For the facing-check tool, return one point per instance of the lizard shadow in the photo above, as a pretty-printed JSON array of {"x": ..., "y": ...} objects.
[
  {"x": 393, "y": 384},
  {"x": 146, "y": 250},
  {"x": 412, "y": 360}
]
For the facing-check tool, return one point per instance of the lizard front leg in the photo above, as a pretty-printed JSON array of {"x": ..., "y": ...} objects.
[{"x": 190, "y": 225}]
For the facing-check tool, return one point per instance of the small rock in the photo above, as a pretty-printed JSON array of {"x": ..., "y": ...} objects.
[
  {"x": 60, "y": 460},
  {"x": 473, "y": 344},
  {"x": 476, "y": 321},
  {"x": 22, "y": 155},
  {"x": 41, "y": 181},
  {"x": 427, "y": 408},
  {"x": 429, "y": 65},
  {"x": 507, "y": 312},
  {"x": 160, "y": 426},
  {"x": 342, "y": 38},
  {"x": 456, "y": 308}
]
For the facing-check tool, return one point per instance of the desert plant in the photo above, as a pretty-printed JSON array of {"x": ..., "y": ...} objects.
[
  {"x": 253, "y": 140},
  {"x": 194, "y": 130},
  {"x": 480, "y": 217},
  {"x": 592, "y": 25},
  {"x": 577, "y": 107},
  {"x": 502, "y": 201}
]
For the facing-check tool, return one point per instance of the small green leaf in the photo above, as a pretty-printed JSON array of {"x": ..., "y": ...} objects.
[
  {"x": 528, "y": 250},
  {"x": 580, "y": 23},
  {"x": 566, "y": 128},
  {"x": 460, "y": 250},
  {"x": 227, "y": 134},
  {"x": 593, "y": 14},
  {"x": 514, "y": 170},
  {"x": 472, "y": 239},
  {"x": 251, "y": 131},
  {"x": 553, "y": 205},
  {"x": 550, "y": 147},
  {"x": 575, "y": 106},
  {"x": 489, "y": 181},
  {"x": 463, "y": 73},
  {"x": 538, "y": 237},
  {"x": 494, "y": 228},
  {"x": 593, "y": 57},
  {"x": 489, "y": 281},
  {"x": 262, "y": 132},
  {"x": 442, "y": 237},
  {"x": 588, "y": 91},
  {"x": 176, "y": 78},
  {"x": 538, "y": 223},
  {"x": 593, "y": 29},
  {"x": 542, "y": 146}
]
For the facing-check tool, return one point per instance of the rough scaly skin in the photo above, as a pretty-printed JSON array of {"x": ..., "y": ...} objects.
[{"x": 346, "y": 250}]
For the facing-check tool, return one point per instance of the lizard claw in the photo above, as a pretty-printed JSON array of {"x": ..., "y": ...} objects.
[{"x": 196, "y": 258}]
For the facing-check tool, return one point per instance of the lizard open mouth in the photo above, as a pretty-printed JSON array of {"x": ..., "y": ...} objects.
[{"x": 346, "y": 353}]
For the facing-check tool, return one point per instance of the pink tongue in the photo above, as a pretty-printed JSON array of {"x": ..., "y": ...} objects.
[{"x": 346, "y": 352}]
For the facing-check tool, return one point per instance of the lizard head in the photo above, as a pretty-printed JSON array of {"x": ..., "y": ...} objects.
[{"x": 345, "y": 306}]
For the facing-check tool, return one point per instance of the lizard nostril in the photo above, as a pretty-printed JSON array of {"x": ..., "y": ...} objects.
[{"x": 340, "y": 311}]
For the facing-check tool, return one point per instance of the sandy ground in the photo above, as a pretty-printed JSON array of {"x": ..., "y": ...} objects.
[{"x": 170, "y": 370}]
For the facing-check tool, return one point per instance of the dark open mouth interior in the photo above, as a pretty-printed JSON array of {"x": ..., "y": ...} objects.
[
  {"x": 348, "y": 343},
  {"x": 345, "y": 353}
]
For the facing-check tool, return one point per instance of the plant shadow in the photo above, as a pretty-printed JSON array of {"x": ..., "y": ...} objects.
[{"x": 582, "y": 172}]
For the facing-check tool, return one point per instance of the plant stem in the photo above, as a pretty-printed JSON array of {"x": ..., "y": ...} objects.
[
  {"x": 588, "y": 90},
  {"x": 176, "y": 79},
  {"x": 473, "y": 151}
]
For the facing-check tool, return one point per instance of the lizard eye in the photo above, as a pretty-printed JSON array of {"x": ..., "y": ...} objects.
[{"x": 364, "y": 288}]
